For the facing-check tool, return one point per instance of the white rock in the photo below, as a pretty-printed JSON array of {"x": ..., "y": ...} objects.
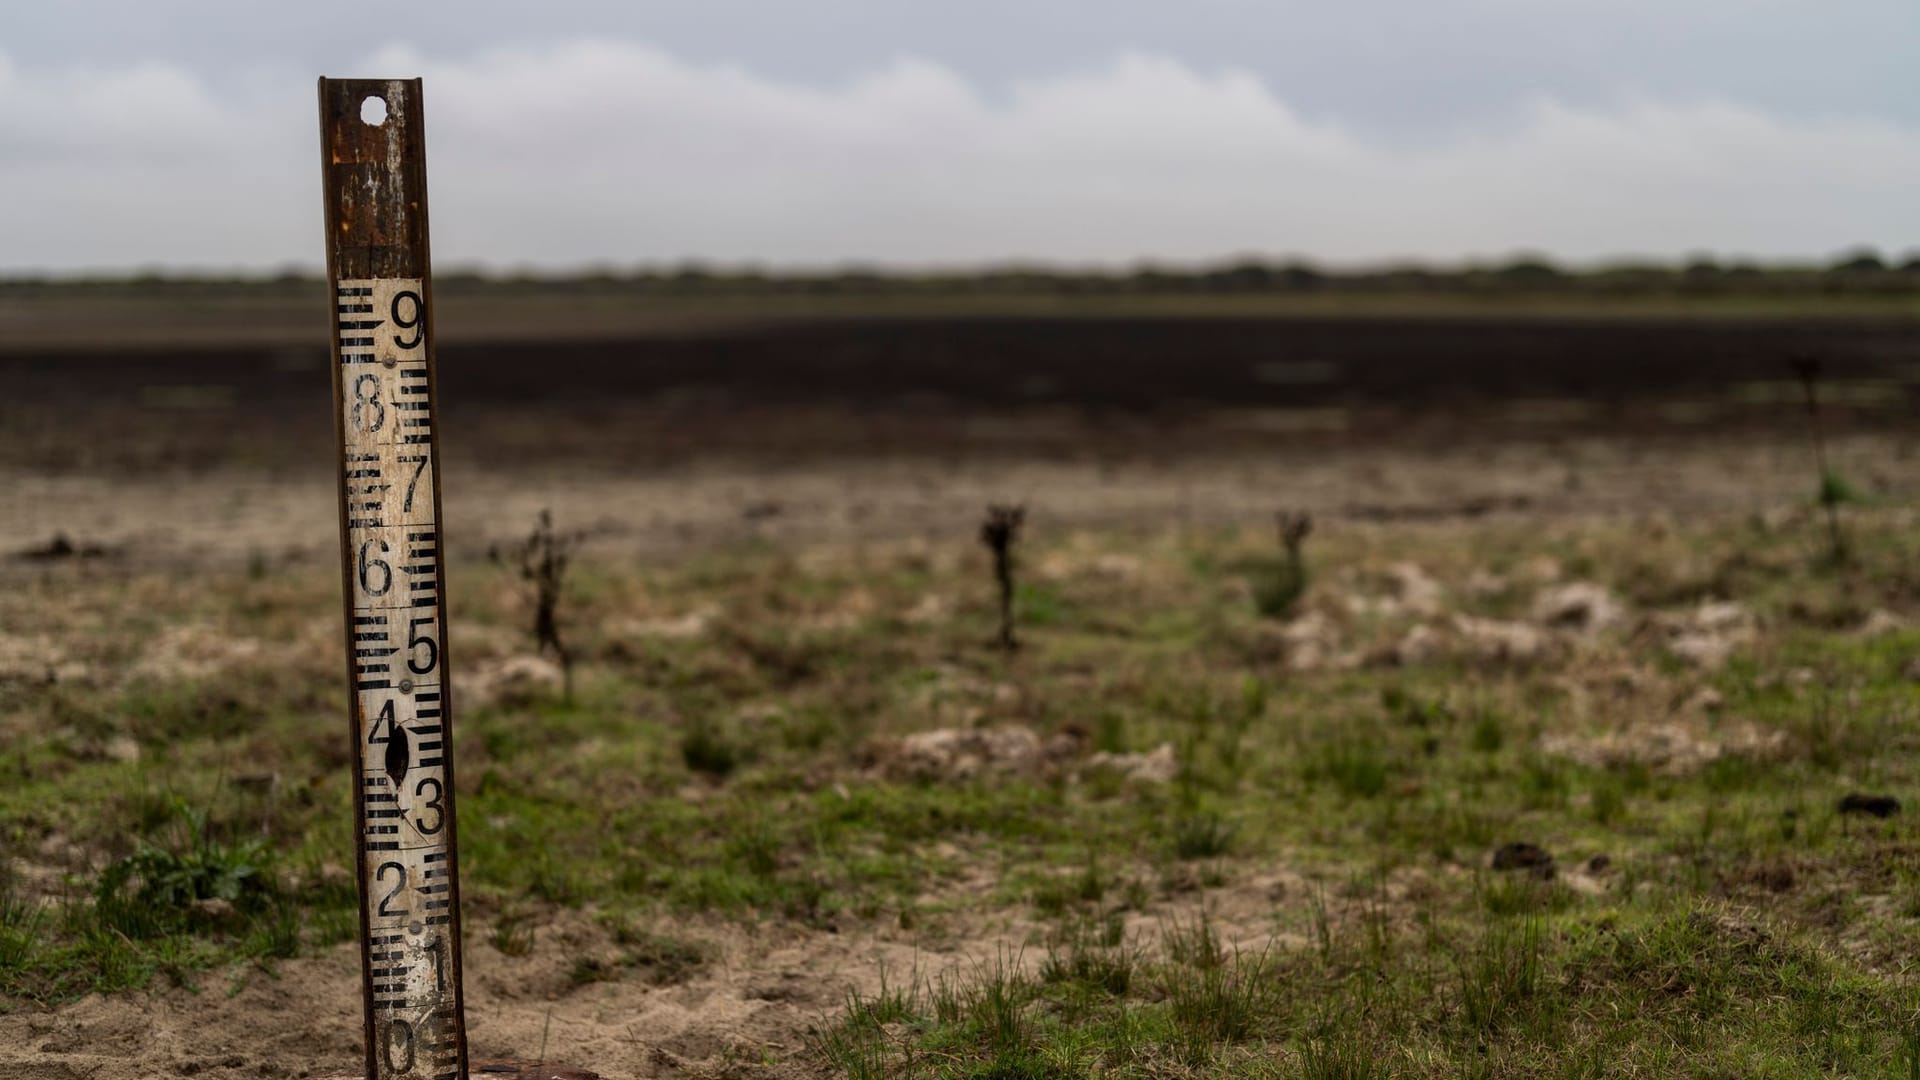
[
  {"x": 517, "y": 680},
  {"x": 1880, "y": 621},
  {"x": 1415, "y": 589},
  {"x": 1669, "y": 748},
  {"x": 958, "y": 754},
  {"x": 1419, "y": 645},
  {"x": 1708, "y": 635},
  {"x": 930, "y": 608},
  {"x": 1157, "y": 766},
  {"x": 1577, "y": 605},
  {"x": 1706, "y": 700},
  {"x": 1539, "y": 570},
  {"x": 1722, "y": 616},
  {"x": 673, "y": 628},
  {"x": 1311, "y": 642},
  {"x": 1708, "y": 652},
  {"x": 1499, "y": 641}
]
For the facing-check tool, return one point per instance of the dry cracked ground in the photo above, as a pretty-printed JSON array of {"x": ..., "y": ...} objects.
[{"x": 1596, "y": 747}]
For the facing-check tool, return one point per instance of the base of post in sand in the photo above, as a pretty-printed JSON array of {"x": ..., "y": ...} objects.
[
  {"x": 530, "y": 1070},
  {"x": 506, "y": 1070}
]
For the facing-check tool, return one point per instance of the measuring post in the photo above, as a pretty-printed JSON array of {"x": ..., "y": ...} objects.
[
  {"x": 375, "y": 182},
  {"x": 392, "y": 565}
]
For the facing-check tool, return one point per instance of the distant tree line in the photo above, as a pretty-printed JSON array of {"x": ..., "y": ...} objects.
[{"x": 1858, "y": 272}]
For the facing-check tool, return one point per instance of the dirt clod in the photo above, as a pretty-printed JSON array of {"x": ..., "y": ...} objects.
[
  {"x": 1879, "y": 806},
  {"x": 61, "y": 547},
  {"x": 955, "y": 755},
  {"x": 1773, "y": 875},
  {"x": 1521, "y": 855}
]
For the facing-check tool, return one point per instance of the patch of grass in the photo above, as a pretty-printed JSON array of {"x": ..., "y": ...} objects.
[
  {"x": 276, "y": 932},
  {"x": 709, "y": 750},
  {"x": 554, "y": 881},
  {"x": 159, "y": 713},
  {"x": 1342, "y": 1053},
  {"x": 1514, "y": 985},
  {"x": 1545, "y": 782},
  {"x": 1093, "y": 955},
  {"x": 1414, "y": 710},
  {"x": 1395, "y": 781},
  {"x": 1500, "y": 977},
  {"x": 1193, "y": 1006},
  {"x": 1520, "y": 893},
  {"x": 1203, "y": 835},
  {"x": 1041, "y": 605},
  {"x": 171, "y": 907},
  {"x": 22, "y": 922},
  {"x": 1055, "y": 894},
  {"x": 666, "y": 958},
  {"x": 1277, "y": 589},
  {"x": 661, "y": 958},
  {"x": 1228, "y": 1001},
  {"x": 1356, "y": 768},
  {"x": 1192, "y": 943},
  {"x": 159, "y": 890},
  {"x": 514, "y": 933},
  {"x": 1837, "y": 490},
  {"x": 1489, "y": 732},
  {"x": 1607, "y": 803}
]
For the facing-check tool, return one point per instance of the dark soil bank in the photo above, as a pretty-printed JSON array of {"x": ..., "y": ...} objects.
[{"x": 900, "y": 385}]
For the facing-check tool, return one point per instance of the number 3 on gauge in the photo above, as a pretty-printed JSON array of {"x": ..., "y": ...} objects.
[{"x": 435, "y": 803}]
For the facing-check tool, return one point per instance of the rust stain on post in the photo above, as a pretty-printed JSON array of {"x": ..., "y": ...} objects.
[{"x": 376, "y": 180}]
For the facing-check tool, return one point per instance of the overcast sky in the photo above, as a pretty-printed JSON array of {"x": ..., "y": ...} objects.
[{"x": 137, "y": 134}]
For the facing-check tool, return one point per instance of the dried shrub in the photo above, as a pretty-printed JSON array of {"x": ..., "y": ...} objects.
[{"x": 1001, "y": 532}]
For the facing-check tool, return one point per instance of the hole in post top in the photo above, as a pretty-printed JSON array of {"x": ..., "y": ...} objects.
[{"x": 373, "y": 111}]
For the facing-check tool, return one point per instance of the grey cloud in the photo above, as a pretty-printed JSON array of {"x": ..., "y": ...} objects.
[
  {"x": 606, "y": 150},
  {"x": 1401, "y": 67}
]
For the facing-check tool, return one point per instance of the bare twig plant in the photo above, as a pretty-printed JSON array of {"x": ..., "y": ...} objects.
[
  {"x": 542, "y": 560},
  {"x": 1000, "y": 532},
  {"x": 1833, "y": 489},
  {"x": 1277, "y": 593}
]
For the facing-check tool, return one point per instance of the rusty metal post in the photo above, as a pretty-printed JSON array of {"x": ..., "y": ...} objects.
[
  {"x": 393, "y": 579},
  {"x": 393, "y": 584}
]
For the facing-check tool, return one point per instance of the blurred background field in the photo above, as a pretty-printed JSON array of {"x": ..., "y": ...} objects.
[{"x": 1546, "y": 740}]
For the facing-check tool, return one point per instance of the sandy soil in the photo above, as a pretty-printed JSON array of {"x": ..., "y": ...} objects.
[
  {"x": 746, "y": 1013},
  {"x": 305, "y": 1019}
]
